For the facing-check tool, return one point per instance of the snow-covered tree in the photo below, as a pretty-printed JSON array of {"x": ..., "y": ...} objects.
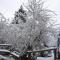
[
  {"x": 34, "y": 30},
  {"x": 38, "y": 19}
]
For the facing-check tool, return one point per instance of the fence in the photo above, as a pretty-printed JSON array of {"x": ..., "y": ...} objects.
[{"x": 47, "y": 49}]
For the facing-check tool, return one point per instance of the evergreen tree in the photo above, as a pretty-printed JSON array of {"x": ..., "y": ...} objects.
[{"x": 20, "y": 15}]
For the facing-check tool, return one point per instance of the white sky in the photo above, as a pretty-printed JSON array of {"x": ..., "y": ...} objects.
[{"x": 8, "y": 7}]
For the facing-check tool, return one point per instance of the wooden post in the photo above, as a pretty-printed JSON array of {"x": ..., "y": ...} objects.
[
  {"x": 29, "y": 56},
  {"x": 54, "y": 54}
]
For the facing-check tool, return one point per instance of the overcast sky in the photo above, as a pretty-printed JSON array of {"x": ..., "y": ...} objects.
[{"x": 8, "y": 7}]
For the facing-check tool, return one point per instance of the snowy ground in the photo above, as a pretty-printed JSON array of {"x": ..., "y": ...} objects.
[
  {"x": 38, "y": 58},
  {"x": 6, "y": 58},
  {"x": 45, "y": 58}
]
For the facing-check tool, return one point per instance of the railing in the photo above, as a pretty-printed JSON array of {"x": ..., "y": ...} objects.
[
  {"x": 47, "y": 49},
  {"x": 9, "y": 52},
  {"x": 29, "y": 52},
  {"x": 5, "y": 44}
]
